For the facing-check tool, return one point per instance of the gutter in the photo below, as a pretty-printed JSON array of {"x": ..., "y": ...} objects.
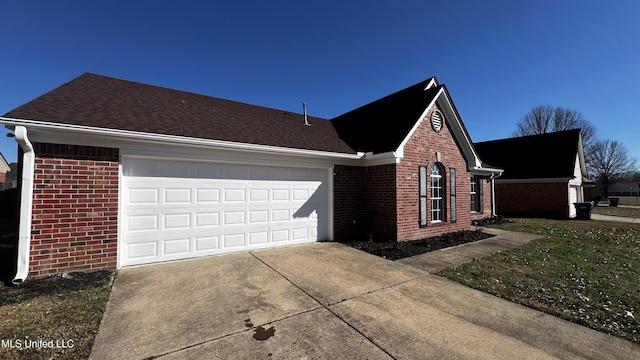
[{"x": 26, "y": 202}]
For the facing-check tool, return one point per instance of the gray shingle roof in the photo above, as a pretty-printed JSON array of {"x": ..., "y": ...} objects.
[
  {"x": 382, "y": 125},
  {"x": 104, "y": 102},
  {"x": 543, "y": 156}
]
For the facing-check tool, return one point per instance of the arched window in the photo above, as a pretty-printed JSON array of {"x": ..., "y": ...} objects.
[{"x": 438, "y": 192}]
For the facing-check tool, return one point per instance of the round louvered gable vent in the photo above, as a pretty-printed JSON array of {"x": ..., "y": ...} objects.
[{"x": 436, "y": 120}]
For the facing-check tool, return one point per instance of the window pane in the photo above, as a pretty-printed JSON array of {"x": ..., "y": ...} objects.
[{"x": 437, "y": 192}]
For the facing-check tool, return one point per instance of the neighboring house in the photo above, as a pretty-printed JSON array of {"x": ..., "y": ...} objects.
[
  {"x": 127, "y": 174},
  {"x": 544, "y": 175},
  {"x": 625, "y": 188},
  {"x": 11, "y": 182},
  {"x": 4, "y": 169}
]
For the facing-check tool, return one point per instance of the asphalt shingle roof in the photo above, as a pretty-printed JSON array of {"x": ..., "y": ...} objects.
[
  {"x": 382, "y": 125},
  {"x": 104, "y": 102},
  {"x": 543, "y": 156}
]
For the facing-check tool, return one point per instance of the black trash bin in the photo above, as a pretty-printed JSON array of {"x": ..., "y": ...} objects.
[
  {"x": 614, "y": 202},
  {"x": 583, "y": 210}
]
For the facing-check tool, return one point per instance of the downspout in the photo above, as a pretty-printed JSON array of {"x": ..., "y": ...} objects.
[
  {"x": 494, "y": 211},
  {"x": 26, "y": 203}
]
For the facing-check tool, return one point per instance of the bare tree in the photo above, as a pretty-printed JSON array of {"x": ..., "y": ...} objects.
[
  {"x": 610, "y": 161},
  {"x": 546, "y": 118}
]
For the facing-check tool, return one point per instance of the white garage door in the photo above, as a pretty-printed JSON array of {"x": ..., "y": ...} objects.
[{"x": 175, "y": 210}]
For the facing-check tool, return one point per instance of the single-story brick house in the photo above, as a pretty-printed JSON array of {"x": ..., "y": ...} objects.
[
  {"x": 118, "y": 173},
  {"x": 544, "y": 175}
]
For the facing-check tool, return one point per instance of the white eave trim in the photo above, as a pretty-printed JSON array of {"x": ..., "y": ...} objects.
[
  {"x": 400, "y": 149},
  {"x": 487, "y": 171},
  {"x": 457, "y": 131},
  {"x": 189, "y": 141},
  {"x": 391, "y": 157}
]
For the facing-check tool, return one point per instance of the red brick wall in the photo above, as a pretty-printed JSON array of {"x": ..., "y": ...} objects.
[
  {"x": 3, "y": 177},
  {"x": 364, "y": 203},
  {"x": 381, "y": 203},
  {"x": 75, "y": 209},
  {"x": 421, "y": 151},
  {"x": 549, "y": 200},
  {"x": 349, "y": 218}
]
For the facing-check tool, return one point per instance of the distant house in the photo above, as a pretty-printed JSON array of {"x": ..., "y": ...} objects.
[
  {"x": 4, "y": 169},
  {"x": 119, "y": 173},
  {"x": 625, "y": 189},
  {"x": 544, "y": 175}
]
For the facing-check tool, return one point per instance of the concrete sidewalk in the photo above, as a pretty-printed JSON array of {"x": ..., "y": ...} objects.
[
  {"x": 327, "y": 300},
  {"x": 435, "y": 261},
  {"x": 615, "y": 218}
]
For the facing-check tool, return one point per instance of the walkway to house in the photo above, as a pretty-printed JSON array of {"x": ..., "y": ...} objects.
[
  {"x": 615, "y": 218},
  {"x": 327, "y": 300}
]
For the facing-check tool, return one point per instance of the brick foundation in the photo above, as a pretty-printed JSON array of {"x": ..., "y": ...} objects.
[{"x": 75, "y": 209}]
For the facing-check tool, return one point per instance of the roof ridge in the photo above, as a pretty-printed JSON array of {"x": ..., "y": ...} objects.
[
  {"x": 395, "y": 93},
  {"x": 515, "y": 138}
]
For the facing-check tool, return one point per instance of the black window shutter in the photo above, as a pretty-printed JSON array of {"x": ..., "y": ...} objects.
[
  {"x": 452, "y": 192},
  {"x": 480, "y": 186},
  {"x": 423, "y": 217}
]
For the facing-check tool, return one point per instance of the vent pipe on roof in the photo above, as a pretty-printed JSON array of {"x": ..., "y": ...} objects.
[{"x": 304, "y": 111}]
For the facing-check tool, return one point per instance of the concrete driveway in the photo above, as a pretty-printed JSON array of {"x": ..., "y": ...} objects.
[{"x": 326, "y": 300}]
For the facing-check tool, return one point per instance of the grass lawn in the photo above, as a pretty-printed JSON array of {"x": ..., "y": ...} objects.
[
  {"x": 63, "y": 312},
  {"x": 587, "y": 272}
]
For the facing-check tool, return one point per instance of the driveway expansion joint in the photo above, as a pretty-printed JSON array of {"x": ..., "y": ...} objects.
[
  {"x": 252, "y": 328},
  {"x": 387, "y": 352}
]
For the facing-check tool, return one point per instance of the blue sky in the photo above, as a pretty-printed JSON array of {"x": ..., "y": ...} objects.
[{"x": 498, "y": 58}]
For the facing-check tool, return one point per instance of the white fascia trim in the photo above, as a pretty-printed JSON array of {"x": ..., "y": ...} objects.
[
  {"x": 456, "y": 132},
  {"x": 141, "y": 136},
  {"x": 400, "y": 149},
  {"x": 432, "y": 83},
  {"x": 526, "y": 181},
  {"x": 487, "y": 171},
  {"x": 26, "y": 203},
  {"x": 391, "y": 157},
  {"x": 459, "y": 131}
]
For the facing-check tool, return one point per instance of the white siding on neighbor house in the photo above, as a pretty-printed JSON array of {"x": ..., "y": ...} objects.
[
  {"x": 182, "y": 209},
  {"x": 575, "y": 195},
  {"x": 577, "y": 173}
]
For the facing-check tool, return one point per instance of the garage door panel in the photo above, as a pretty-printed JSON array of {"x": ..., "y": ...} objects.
[
  {"x": 217, "y": 208},
  {"x": 206, "y": 243},
  {"x": 234, "y": 195},
  {"x": 259, "y": 195},
  {"x": 177, "y": 196},
  {"x": 177, "y": 221},
  {"x": 207, "y": 219},
  {"x": 177, "y": 246},
  {"x": 234, "y": 240},
  {"x": 142, "y": 223},
  {"x": 144, "y": 250},
  {"x": 207, "y": 195}
]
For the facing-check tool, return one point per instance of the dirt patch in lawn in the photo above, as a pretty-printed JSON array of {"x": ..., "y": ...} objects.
[{"x": 394, "y": 250}]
